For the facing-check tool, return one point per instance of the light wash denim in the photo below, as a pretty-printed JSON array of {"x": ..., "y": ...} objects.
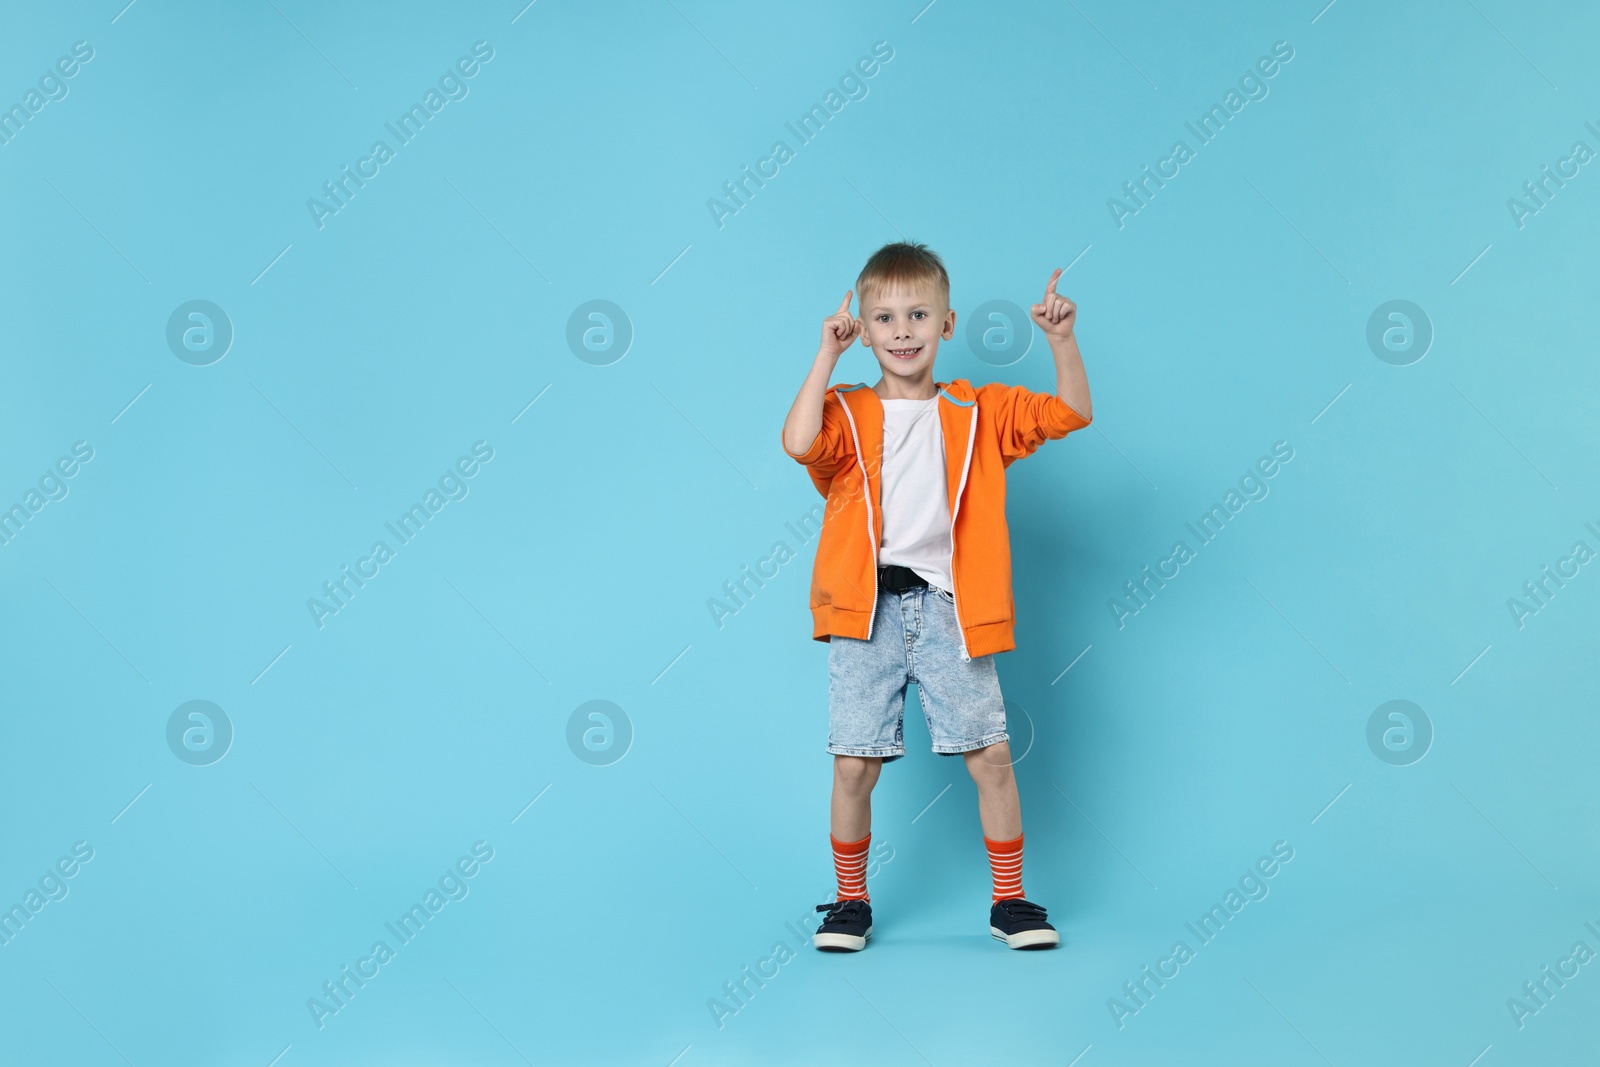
[{"x": 915, "y": 638}]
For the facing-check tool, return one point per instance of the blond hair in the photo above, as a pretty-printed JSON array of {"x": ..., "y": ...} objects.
[{"x": 903, "y": 264}]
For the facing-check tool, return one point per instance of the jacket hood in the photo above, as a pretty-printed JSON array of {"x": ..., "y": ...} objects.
[{"x": 960, "y": 390}]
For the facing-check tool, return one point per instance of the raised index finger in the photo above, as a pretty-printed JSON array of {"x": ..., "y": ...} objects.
[
  {"x": 844, "y": 308},
  {"x": 1050, "y": 287}
]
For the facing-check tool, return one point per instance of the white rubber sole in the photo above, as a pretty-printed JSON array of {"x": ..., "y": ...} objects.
[
  {"x": 1026, "y": 938},
  {"x": 841, "y": 942}
]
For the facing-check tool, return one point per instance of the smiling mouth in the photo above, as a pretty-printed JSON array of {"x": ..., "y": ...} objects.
[{"x": 905, "y": 353}]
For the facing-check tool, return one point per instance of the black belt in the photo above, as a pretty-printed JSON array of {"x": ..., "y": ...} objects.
[{"x": 894, "y": 578}]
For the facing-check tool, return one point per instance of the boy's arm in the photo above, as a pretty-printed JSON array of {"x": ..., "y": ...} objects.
[
  {"x": 1024, "y": 419},
  {"x": 808, "y": 437},
  {"x": 1058, "y": 318},
  {"x": 803, "y": 427}
]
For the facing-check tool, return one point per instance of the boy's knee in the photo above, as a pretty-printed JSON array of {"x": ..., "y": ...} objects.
[
  {"x": 991, "y": 763},
  {"x": 856, "y": 772}
]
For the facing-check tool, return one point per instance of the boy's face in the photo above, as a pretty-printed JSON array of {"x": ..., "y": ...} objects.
[{"x": 903, "y": 327}]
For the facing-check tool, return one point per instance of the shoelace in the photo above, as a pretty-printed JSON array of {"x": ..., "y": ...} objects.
[{"x": 1019, "y": 908}]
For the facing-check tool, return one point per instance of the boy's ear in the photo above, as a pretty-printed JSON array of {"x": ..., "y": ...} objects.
[{"x": 949, "y": 325}]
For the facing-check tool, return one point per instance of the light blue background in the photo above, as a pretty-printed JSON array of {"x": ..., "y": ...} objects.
[{"x": 426, "y": 715}]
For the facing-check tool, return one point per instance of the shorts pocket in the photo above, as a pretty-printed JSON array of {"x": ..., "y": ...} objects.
[{"x": 943, "y": 594}]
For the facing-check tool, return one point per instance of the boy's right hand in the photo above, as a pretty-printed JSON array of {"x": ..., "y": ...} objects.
[{"x": 840, "y": 329}]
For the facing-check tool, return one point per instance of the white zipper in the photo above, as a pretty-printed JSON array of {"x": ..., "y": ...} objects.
[
  {"x": 972, "y": 432},
  {"x": 866, "y": 495}
]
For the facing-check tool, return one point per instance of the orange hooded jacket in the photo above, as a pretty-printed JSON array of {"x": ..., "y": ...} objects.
[{"x": 985, "y": 430}]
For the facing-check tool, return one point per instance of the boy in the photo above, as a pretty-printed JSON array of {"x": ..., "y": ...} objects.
[{"x": 912, "y": 581}]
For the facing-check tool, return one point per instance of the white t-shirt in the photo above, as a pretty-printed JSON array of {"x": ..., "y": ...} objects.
[{"x": 916, "y": 501}]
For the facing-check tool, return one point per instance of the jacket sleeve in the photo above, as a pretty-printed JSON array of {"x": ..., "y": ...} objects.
[
  {"x": 833, "y": 449},
  {"x": 1024, "y": 420}
]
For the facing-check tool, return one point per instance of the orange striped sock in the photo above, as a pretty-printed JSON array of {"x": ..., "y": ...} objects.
[
  {"x": 1005, "y": 864},
  {"x": 850, "y": 865}
]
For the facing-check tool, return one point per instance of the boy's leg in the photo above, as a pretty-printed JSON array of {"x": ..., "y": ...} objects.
[
  {"x": 851, "y": 822},
  {"x": 1000, "y": 813},
  {"x": 999, "y": 807},
  {"x": 853, "y": 780},
  {"x": 866, "y": 707},
  {"x": 967, "y": 715},
  {"x": 1013, "y": 918},
  {"x": 848, "y": 924}
]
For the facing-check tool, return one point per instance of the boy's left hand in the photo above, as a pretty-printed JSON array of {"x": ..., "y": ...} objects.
[{"x": 1057, "y": 315}]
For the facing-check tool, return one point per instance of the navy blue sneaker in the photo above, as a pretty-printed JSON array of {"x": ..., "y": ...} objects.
[
  {"x": 845, "y": 928},
  {"x": 1020, "y": 924}
]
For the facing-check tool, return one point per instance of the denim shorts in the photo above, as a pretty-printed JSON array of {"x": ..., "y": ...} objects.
[{"x": 915, "y": 638}]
